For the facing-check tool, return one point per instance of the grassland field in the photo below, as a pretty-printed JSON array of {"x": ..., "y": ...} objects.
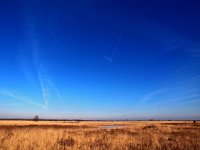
[{"x": 99, "y": 135}]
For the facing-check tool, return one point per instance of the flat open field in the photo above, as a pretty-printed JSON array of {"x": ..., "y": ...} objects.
[{"x": 95, "y": 135}]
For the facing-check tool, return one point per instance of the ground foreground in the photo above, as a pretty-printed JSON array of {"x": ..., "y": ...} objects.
[{"x": 52, "y": 135}]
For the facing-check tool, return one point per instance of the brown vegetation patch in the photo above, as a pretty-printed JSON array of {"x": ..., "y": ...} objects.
[
  {"x": 66, "y": 142},
  {"x": 153, "y": 127}
]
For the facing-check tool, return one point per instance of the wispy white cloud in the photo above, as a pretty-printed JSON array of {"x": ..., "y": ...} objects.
[
  {"x": 57, "y": 92},
  {"x": 174, "y": 100},
  {"x": 20, "y": 98},
  {"x": 166, "y": 39},
  {"x": 44, "y": 90},
  {"x": 38, "y": 72},
  {"x": 192, "y": 101},
  {"x": 183, "y": 93},
  {"x": 153, "y": 94},
  {"x": 150, "y": 96},
  {"x": 176, "y": 42},
  {"x": 109, "y": 59},
  {"x": 48, "y": 88}
]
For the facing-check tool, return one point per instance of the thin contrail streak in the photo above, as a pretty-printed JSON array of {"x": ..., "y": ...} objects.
[
  {"x": 174, "y": 100},
  {"x": 38, "y": 66},
  {"x": 19, "y": 98},
  {"x": 110, "y": 58},
  {"x": 45, "y": 84},
  {"x": 44, "y": 90},
  {"x": 151, "y": 95},
  {"x": 56, "y": 91}
]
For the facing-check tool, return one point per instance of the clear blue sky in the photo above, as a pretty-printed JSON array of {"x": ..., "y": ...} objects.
[{"x": 100, "y": 59}]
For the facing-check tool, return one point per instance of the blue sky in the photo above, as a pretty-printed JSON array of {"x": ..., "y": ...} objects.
[{"x": 107, "y": 59}]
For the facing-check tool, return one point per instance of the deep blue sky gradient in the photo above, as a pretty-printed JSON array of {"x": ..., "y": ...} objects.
[{"x": 107, "y": 59}]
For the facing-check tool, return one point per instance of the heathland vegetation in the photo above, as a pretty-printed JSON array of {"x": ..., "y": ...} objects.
[{"x": 99, "y": 135}]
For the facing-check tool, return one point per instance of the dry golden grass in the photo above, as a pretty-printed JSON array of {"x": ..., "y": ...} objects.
[{"x": 55, "y": 135}]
